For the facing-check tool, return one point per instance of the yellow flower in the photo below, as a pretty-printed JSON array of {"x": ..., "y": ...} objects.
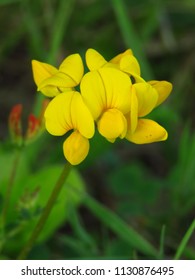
[
  {"x": 113, "y": 94},
  {"x": 125, "y": 61},
  {"x": 52, "y": 81},
  {"x": 144, "y": 98},
  {"x": 67, "y": 112},
  {"x": 107, "y": 94}
]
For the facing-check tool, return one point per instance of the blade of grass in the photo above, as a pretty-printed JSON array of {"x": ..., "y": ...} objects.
[
  {"x": 75, "y": 245},
  {"x": 189, "y": 253},
  {"x": 130, "y": 37},
  {"x": 33, "y": 29},
  {"x": 162, "y": 241},
  {"x": 64, "y": 13},
  {"x": 79, "y": 228},
  {"x": 184, "y": 241},
  {"x": 119, "y": 227}
]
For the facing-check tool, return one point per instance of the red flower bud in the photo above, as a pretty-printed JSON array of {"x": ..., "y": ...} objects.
[{"x": 15, "y": 126}]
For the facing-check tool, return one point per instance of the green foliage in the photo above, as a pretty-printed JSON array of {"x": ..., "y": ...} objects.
[
  {"x": 30, "y": 194},
  {"x": 135, "y": 188}
]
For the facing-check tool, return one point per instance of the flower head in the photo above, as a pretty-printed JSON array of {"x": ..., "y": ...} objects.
[{"x": 112, "y": 94}]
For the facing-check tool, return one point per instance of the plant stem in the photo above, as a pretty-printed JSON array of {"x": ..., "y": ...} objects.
[{"x": 60, "y": 183}]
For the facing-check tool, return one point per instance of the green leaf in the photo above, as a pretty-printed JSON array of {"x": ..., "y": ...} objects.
[
  {"x": 46, "y": 179},
  {"x": 7, "y": 159},
  {"x": 36, "y": 192}
]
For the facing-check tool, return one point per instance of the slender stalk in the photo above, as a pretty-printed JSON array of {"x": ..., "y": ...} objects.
[
  {"x": 184, "y": 241},
  {"x": 10, "y": 186},
  {"x": 37, "y": 230}
]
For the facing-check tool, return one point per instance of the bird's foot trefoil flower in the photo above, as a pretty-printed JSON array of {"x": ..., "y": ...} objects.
[{"x": 113, "y": 95}]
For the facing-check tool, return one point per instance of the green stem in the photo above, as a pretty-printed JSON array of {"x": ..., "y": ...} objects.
[
  {"x": 9, "y": 187},
  {"x": 46, "y": 212}
]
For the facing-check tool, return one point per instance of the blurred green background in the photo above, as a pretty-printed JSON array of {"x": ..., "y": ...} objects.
[{"x": 132, "y": 202}]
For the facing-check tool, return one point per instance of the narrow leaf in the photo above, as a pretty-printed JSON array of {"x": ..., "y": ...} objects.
[
  {"x": 184, "y": 241},
  {"x": 118, "y": 226}
]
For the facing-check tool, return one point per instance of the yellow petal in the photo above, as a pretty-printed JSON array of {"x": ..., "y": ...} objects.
[
  {"x": 111, "y": 140},
  {"x": 42, "y": 71},
  {"x": 49, "y": 91},
  {"x": 57, "y": 81},
  {"x": 117, "y": 88},
  {"x": 117, "y": 58},
  {"x": 134, "y": 111},
  {"x": 94, "y": 60},
  {"x": 93, "y": 93},
  {"x": 81, "y": 117},
  {"x": 147, "y": 131},
  {"x": 52, "y": 91},
  {"x": 105, "y": 89},
  {"x": 112, "y": 124},
  {"x": 130, "y": 65},
  {"x": 57, "y": 114},
  {"x": 147, "y": 98},
  {"x": 67, "y": 111},
  {"x": 72, "y": 66},
  {"x": 76, "y": 148},
  {"x": 163, "y": 89}
]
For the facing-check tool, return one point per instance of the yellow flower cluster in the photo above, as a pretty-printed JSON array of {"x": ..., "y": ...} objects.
[{"x": 113, "y": 95}]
